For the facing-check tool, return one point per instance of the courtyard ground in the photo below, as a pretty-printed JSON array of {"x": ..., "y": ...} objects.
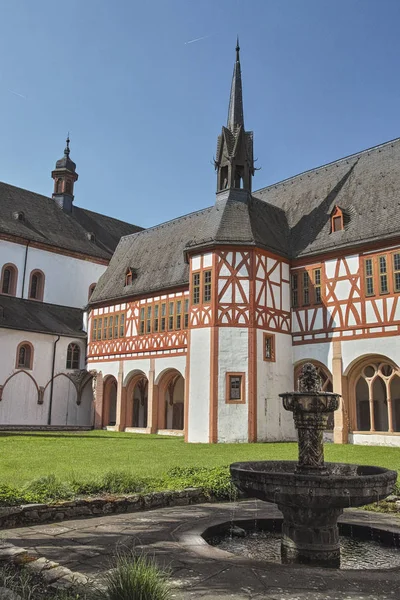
[{"x": 28, "y": 455}]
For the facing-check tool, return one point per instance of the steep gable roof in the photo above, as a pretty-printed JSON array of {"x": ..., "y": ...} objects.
[
  {"x": 366, "y": 186},
  {"x": 46, "y": 223},
  {"x": 158, "y": 254}
]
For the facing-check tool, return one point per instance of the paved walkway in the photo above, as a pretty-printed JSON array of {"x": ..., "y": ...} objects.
[{"x": 199, "y": 571}]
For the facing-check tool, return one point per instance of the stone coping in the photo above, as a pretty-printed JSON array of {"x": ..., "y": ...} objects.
[{"x": 32, "y": 514}]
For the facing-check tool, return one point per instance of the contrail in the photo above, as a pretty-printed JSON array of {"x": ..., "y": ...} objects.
[
  {"x": 16, "y": 94},
  {"x": 198, "y": 39}
]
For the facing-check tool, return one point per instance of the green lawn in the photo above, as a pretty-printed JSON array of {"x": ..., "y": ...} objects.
[{"x": 26, "y": 456}]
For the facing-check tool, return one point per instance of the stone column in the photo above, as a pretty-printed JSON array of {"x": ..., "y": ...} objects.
[
  {"x": 121, "y": 400},
  {"x": 152, "y": 400},
  {"x": 340, "y": 431}
]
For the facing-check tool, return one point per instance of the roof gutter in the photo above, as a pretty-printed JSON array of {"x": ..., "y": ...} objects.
[
  {"x": 25, "y": 261},
  {"x": 52, "y": 380}
]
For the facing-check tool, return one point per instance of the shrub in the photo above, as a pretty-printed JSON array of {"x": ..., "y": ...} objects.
[
  {"x": 215, "y": 481},
  {"x": 113, "y": 482},
  {"x": 135, "y": 578},
  {"x": 48, "y": 489}
]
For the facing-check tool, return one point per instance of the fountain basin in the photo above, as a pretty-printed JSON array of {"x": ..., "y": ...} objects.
[{"x": 340, "y": 486}]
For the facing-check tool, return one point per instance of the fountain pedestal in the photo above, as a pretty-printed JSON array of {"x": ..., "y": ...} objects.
[{"x": 311, "y": 494}]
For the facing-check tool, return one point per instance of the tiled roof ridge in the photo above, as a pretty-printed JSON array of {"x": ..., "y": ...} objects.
[
  {"x": 329, "y": 164},
  {"x": 165, "y": 223}
]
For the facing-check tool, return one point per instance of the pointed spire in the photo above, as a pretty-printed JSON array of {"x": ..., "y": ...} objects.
[
  {"x": 67, "y": 151},
  {"x": 235, "y": 113}
]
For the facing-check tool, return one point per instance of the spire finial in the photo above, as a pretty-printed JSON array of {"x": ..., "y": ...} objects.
[
  {"x": 66, "y": 151},
  {"x": 235, "y": 112},
  {"x": 237, "y": 49}
]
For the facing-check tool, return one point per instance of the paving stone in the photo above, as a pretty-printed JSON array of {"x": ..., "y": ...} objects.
[{"x": 51, "y": 575}]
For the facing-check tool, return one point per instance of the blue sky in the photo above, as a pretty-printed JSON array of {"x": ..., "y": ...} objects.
[{"x": 144, "y": 107}]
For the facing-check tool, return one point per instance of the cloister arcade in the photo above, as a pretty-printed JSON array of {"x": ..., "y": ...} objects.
[{"x": 136, "y": 405}]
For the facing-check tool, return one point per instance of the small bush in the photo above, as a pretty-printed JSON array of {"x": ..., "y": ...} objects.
[
  {"x": 135, "y": 578},
  {"x": 113, "y": 482},
  {"x": 48, "y": 489},
  {"x": 215, "y": 481}
]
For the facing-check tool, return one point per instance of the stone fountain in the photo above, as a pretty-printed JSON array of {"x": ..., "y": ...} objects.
[{"x": 312, "y": 494}]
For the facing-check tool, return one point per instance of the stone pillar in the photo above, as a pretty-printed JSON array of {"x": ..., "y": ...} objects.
[
  {"x": 340, "y": 432},
  {"x": 98, "y": 398},
  {"x": 152, "y": 400},
  {"x": 121, "y": 400}
]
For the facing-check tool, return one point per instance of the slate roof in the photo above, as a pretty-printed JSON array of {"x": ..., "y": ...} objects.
[
  {"x": 366, "y": 186},
  {"x": 40, "y": 317},
  {"x": 158, "y": 254},
  {"x": 45, "y": 222}
]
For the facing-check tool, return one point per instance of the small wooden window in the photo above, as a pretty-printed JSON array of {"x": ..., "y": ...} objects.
[
  {"x": 171, "y": 316},
  {"x": 94, "y": 330},
  {"x": 186, "y": 314},
  {"x": 207, "y": 286},
  {"x": 116, "y": 326},
  {"x": 73, "y": 356},
  {"x": 163, "y": 316},
  {"x": 196, "y": 288},
  {"x": 36, "y": 285},
  {"x": 383, "y": 275},
  {"x": 178, "y": 314},
  {"x": 295, "y": 290},
  {"x": 122, "y": 325},
  {"x": 156, "y": 318},
  {"x": 269, "y": 347},
  {"x": 396, "y": 272},
  {"x": 24, "y": 356},
  {"x": 128, "y": 277},
  {"x": 337, "y": 223},
  {"x": 369, "y": 277},
  {"x": 110, "y": 327},
  {"x": 99, "y": 328},
  {"x": 9, "y": 280},
  {"x": 306, "y": 288},
  {"x": 148, "y": 319},
  {"x": 235, "y": 389},
  {"x": 317, "y": 286},
  {"x": 105, "y": 326}
]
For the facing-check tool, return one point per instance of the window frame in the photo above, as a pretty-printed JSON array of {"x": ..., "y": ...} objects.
[
  {"x": 297, "y": 289},
  {"x": 337, "y": 213},
  {"x": 106, "y": 324},
  {"x": 271, "y": 337},
  {"x": 242, "y": 376},
  {"x": 71, "y": 359},
  {"x": 196, "y": 288},
  {"x": 40, "y": 288},
  {"x": 12, "y": 289},
  {"x": 25, "y": 343}
]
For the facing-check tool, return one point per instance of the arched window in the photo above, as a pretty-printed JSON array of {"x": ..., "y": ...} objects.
[
  {"x": 58, "y": 189},
  {"x": 73, "y": 356},
  {"x": 24, "y": 356},
  {"x": 36, "y": 285},
  {"x": 9, "y": 280},
  {"x": 91, "y": 290},
  {"x": 68, "y": 187}
]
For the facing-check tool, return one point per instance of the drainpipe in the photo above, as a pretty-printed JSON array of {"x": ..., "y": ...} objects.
[
  {"x": 23, "y": 276},
  {"x": 52, "y": 380}
]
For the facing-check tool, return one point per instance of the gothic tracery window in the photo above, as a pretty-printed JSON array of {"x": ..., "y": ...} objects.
[
  {"x": 377, "y": 398},
  {"x": 73, "y": 356}
]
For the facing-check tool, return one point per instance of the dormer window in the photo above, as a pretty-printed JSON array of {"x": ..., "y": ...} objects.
[
  {"x": 337, "y": 220},
  {"x": 130, "y": 275}
]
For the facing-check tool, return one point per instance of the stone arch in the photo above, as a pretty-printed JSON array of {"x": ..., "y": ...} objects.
[
  {"x": 171, "y": 407},
  {"x": 374, "y": 394},
  {"x": 137, "y": 387},
  {"x": 110, "y": 387},
  {"x": 326, "y": 378},
  {"x": 21, "y": 401},
  {"x": 64, "y": 406}
]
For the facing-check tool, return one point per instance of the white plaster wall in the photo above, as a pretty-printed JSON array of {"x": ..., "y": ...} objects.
[
  {"x": 169, "y": 362},
  {"x": 355, "y": 349},
  {"x": 322, "y": 352},
  {"x": 374, "y": 439},
  {"x": 274, "y": 423},
  {"x": 233, "y": 348},
  {"x": 20, "y": 397},
  {"x": 129, "y": 367},
  {"x": 106, "y": 367},
  {"x": 199, "y": 385},
  {"x": 67, "y": 279}
]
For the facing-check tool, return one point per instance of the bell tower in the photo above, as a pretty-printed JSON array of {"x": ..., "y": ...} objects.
[
  {"x": 64, "y": 176},
  {"x": 234, "y": 161}
]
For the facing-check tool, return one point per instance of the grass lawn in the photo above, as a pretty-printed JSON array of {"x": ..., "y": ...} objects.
[{"x": 26, "y": 456}]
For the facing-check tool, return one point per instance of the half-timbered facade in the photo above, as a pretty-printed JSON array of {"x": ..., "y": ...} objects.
[{"x": 199, "y": 323}]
